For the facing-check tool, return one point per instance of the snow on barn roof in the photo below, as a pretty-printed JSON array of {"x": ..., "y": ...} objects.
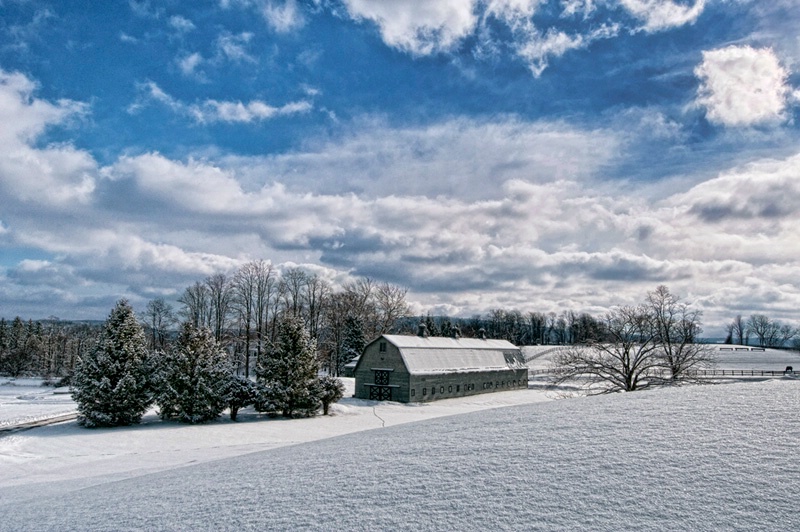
[{"x": 435, "y": 354}]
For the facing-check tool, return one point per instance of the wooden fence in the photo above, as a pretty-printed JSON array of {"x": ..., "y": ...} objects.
[{"x": 700, "y": 373}]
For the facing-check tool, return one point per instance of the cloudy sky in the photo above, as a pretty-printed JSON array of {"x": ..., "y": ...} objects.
[{"x": 529, "y": 154}]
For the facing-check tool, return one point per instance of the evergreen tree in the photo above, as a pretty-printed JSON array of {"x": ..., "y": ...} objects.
[
  {"x": 194, "y": 377},
  {"x": 240, "y": 392},
  {"x": 329, "y": 390},
  {"x": 353, "y": 343},
  {"x": 113, "y": 384},
  {"x": 289, "y": 372}
]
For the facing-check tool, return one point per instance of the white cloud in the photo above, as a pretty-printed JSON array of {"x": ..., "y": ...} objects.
[
  {"x": 55, "y": 174},
  {"x": 440, "y": 26},
  {"x": 182, "y": 24},
  {"x": 537, "y": 49},
  {"x": 659, "y": 15},
  {"x": 472, "y": 214},
  {"x": 188, "y": 64},
  {"x": 211, "y": 111},
  {"x": 215, "y": 111},
  {"x": 455, "y": 158},
  {"x": 742, "y": 86},
  {"x": 420, "y": 28},
  {"x": 234, "y": 47},
  {"x": 283, "y": 17}
]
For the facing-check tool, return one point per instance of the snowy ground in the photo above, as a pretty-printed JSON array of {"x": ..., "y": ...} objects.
[
  {"x": 27, "y": 400},
  {"x": 62, "y": 458},
  {"x": 716, "y": 457},
  {"x": 727, "y": 356}
]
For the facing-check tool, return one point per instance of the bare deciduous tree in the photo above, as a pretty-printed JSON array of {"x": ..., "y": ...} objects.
[
  {"x": 159, "y": 316},
  {"x": 624, "y": 360},
  {"x": 676, "y": 329}
]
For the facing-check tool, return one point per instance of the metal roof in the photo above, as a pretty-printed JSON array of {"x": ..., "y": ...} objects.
[
  {"x": 444, "y": 342},
  {"x": 433, "y": 354}
]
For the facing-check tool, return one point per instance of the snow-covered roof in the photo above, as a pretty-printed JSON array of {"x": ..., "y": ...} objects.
[
  {"x": 434, "y": 354},
  {"x": 444, "y": 342}
]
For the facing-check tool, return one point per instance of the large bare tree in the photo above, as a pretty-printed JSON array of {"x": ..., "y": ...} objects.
[
  {"x": 624, "y": 359},
  {"x": 677, "y": 328}
]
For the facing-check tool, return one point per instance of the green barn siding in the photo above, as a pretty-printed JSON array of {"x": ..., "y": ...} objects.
[
  {"x": 448, "y": 384},
  {"x": 390, "y": 359},
  {"x": 458, "y": 384}
]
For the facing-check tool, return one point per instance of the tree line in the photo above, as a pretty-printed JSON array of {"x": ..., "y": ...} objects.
[
  {"x": 243, "y": 310},
  {"x": 766, "y": 331},
  {"x": 194, "y": 380}
]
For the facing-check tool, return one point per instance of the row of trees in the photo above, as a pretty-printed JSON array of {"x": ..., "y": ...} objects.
[
  {"x": 639, "y": 346},
  {"x": 194, "y": 381},
  {"x": 50, "y": 348},
  {"x": 766, "y": 331},
  {"x": 532, "y": 328},
  {"x": 243, "y": 311}
]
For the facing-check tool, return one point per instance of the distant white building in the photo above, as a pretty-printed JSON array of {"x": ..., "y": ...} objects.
[{"x": 422, "y": 368}]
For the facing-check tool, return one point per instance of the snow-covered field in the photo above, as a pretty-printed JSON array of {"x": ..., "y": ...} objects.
[
  {"x": 27, "y": 400},
  {"x": 716, "y": 457},
  {"x": 736, "y": 357}
]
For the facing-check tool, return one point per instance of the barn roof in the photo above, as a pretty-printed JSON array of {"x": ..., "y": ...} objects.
[{"x": 435, "y": 354}]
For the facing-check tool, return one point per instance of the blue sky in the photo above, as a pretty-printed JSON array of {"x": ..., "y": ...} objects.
[{"x": 521, "y": 154}]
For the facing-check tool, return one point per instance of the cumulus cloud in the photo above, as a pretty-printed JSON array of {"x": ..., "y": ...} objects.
[
  {"x": 210, "y": 111},
  {"x": 188, "y": 64},
  {"x": 742, "y": 86},
  {"x": 659, "y": 15},
  {"x": 420, "y": 28},
  {"x": 181, "y": 24},
  {"x": 537, "y": 49},
  {"x": 283, "y": 17},
  {"x": 471, "y": 214},
  {"x": 441, "y": 26},
  {"x": 461, "y": 158},
  {"x": 57, "y": 174}
]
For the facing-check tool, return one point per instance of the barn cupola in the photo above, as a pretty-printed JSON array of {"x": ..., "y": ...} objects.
[
  {"x": 422, "y": 331},
  {"x": 482, "y": 333}
]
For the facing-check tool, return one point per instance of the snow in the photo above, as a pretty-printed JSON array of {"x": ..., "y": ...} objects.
[
  {"x": 715, "y": 457},
  {"x": 744, "y": 357},
  {"x": 24, "y": 400},
  {"x": 66, "y": 457}
]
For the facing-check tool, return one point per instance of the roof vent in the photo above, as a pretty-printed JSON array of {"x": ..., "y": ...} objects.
[
  {"x": 456, "y": 332},
  {"x": 482, "y": 333},
  {"x": 422, "y": 330}
]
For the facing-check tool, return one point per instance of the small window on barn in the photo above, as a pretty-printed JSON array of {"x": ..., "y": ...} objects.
[
  {"x": 433, "y": 390},
  {"x": 412, "y": 392},
  {"x": 458, "y": 388},
  {"x": 424, "y": 391},
  {"x": 441, "y": 389},
  {"x": 382, "y": 347},
  {"x": 449, "y": 389}
]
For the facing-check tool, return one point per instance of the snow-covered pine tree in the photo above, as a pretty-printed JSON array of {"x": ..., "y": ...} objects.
[
  {"x": 239, "y": 393},
  {"x": 113, "y": 383},
  {"x": 194, "y": 377},
  {"x": 289, "y": 372},
  {"x": 353, "y": 342},
  {"x": 329, "y": 390}
]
